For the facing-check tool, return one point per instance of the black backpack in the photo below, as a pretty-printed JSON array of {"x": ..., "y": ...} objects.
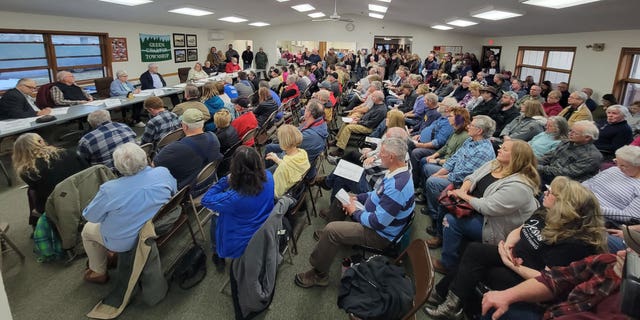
[{"x": 190, "y": 268}]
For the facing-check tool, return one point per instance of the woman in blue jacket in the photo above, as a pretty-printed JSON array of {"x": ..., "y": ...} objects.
[{"x": 243, "y": 200}]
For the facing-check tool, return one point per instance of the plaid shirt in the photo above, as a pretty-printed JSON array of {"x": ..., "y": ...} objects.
[
  {"x": 158, "y": 126},
  {"x": 581, "y": 285},
  {"x": 98, "y": 145},
  {"x": 59, "y": 100},
  {"x": 471, "y": 156}
]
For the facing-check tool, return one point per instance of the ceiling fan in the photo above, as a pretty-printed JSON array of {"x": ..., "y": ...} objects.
[{"x": 335, "y": 16}]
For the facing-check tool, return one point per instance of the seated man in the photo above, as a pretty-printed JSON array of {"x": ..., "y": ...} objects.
[
  {"x": 576, "y": 110},
  {"x": 586, "y": 289},
  {"x": 151, "y": 79},
  {"x": 365, "y": 125},
  {"x": 97, "y": 146},
  {"x": 577, "y": 158},
  {"x": 186, "y": 157},
  {"x": 244, "y": 87},
  {"x": 386, "y": 211},
  {"x": 121, "y": 207},
  {"x": 232, "y": 66},
  {"x": 18, "y": 103},
  {"x": 229, "y": 89},
  {"x": 161, "y": 123},
  {"x": 66, "y": 92},
  {"x": 192, "y": 101},
  {"x": 246, "y": 121}
]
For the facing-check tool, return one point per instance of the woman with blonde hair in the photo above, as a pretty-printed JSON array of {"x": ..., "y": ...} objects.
[
  {"x": 567, "y": 228},
  {"x": 473, "y": 97},
  {"x": 211, "y": 99},
  {"x": 395, "y": 118},
  {"x": 42, "y": 166},
  {"x": 292, "y": 167},
  {"x": 196, "y": 73},
  {"x": 528, "y": 124},
  {"x": 227, "y": 134}
]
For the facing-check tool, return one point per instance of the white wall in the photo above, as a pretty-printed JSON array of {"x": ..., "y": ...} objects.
[
  {"x": 591, "y": 69},
  {"x": 423, "y": 38},
  {"x": 135, "y": 66}
]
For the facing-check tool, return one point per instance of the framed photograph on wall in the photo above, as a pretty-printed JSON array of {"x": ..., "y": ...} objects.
[
  {"x": 180, "y": 55},
  {"x": 119, "y": 49},
  {"x": 192, "y": 40},
  {"x": 192, "y": 54},
  {"x": 178, "y": 39}
]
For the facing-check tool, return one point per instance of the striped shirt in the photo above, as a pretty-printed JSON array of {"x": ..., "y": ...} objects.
[
  {"x": 618, "y": 194},
  {"x": 388, "y": 208},
  {"x": 158, "y": 126}
]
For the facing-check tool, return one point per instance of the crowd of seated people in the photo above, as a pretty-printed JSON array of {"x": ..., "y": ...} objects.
[{"x": 451, "y": 123}]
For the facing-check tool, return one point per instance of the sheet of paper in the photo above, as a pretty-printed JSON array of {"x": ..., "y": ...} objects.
[
  {"x": 110, "y": 103},
  {"x": 158, "y": 92},
  {"x": 347, "y": 120},
  {"x": 344, "y": 198},
  {"x": 17, "y": 124},
  {"x": 92, "y": 103},
  {"x": 59, "y": 111},
  {"x": 181, "y": 85},
  {"x": 373, "y": 140},
  {"x": 144, "y": 93},
  {"x": 349, "y": 170}
]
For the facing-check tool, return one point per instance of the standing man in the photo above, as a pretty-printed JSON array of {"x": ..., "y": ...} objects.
[
  {"x": 262, "y": 60},
  {"x": 231, "y": 53},
  {"x": 18, "y": 103},
  {"x": 247, "y": 58}
]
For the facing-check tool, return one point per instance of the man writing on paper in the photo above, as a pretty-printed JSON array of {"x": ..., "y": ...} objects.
[
  {"x": 386, "y": 211},
  {"x": 18, "y": 103}
]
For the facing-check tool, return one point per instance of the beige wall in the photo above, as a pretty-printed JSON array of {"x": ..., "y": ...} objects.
[
  {"x": 590, "y": 68},
  {"x": 423, "y": 38},
  {"x": 134, "y": 66}
]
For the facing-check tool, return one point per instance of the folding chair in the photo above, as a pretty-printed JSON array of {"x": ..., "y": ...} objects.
[
  {"x": 5, "y": 239},
  {"x": 297, "y": 192},
  {"x": 317, "y": 163},
  {"x": 5, "y": 173},
  {"x": 249, "y": 135},
  {"x": 422, "y": 273},
  {"x": 395, "y": 246},
  {"x": 179, "y": 199},
  {"x": 148, "y": 149},
  {"x": 265, "y": 132},
  {"x": 225, "y": 163},
  {"x": 172, "y": 136},
  {"x": 205, "y": 179}
]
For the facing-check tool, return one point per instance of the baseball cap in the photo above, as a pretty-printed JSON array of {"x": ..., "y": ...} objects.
[
  {"x": 243, "y": 102},
  {"x": 325, "y": 84},
  {"x": 512, "y": 94},
  {"x": 192, "y": 116}
]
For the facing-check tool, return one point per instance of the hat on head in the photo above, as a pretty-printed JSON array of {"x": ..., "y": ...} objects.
[
  {"x": 490, "y": 89},
  {"x": 243, "y": 102},
  {"x": 512, "y": 94},
  {"x": 334, "y": 74},
  {"x": 325, "y": 84},
  {"x": 191, "y": 116},
  {"x": 631, "y": 238}
]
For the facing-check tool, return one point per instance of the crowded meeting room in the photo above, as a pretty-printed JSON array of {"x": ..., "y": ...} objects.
[{"x": 320, "y": 159}]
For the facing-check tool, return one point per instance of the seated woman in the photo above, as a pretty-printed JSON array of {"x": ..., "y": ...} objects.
[
  {"x": 618, "y": 188},
  {"x": 227, "y": 134},
  {"x": 473, "y": 97},
  {"x": 528, "y": 124},
  {"x": 196, "y": 73},
  {"x": 213, "y": 102},
  {"x": 569, "y": 227},
  {"x": 243, "y": 199},
  {"x": 42, "y": 167},
  {"x": 502, "y": 193},
  {"x": 292, "y": 167},
  {"x": 552, "y": 107},
  {"x": 290, "y": 91},
  {"x": 121, "y": 87},
  {"x": 556, "y": 130},
  {"x": 122, "y": 206},
  {"x": 615, "y": 132}
]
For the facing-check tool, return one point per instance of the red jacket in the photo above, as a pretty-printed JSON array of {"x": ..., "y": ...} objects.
[
  {"x": 244, "y": 123},
  {"x": 231, "y": 68}
]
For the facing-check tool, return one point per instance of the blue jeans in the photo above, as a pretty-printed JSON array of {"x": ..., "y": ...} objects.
[
  {"x": 417, "y": 155},
  {"x": 520, "y": 311},
  {"x": 392, "y": 101},
  {"x": 379, "y": 130},
  {"x": 275, "y": 148},
  {"x": 212, "y": 233},
  {"x": 432, "y": 190},
  {"x": 336, "y": 183},
  {"x": 615, "y": 244},
  {"x": 454, "y": 232},
  {"x": 246, "y": 66}
]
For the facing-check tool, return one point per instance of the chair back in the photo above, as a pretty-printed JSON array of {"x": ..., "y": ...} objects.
[
  {"x": 103, "y": 87},
  {"x": 148, "y": 149},
  {"x": 183, "y": 73},
  {"x": 249, "y": 135},
  {"x": 177, "y": 200},
  {"x": 225, "y": 164},
  {"x": 43, "y": 97},
  {"x": 172, "y": 136},
  {"x": 422, "y": 273},
  {"x": 205, "y": 179}
]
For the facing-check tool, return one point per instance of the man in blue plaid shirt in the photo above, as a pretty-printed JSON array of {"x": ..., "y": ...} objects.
[
  {"x": 97, "y": 146},
  {"x": 161, "y": 123}
]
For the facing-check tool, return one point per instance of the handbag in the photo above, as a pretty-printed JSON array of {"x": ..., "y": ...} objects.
[
  {"x": 191, "y": 268},
  {"x": 455, "y": 205}
]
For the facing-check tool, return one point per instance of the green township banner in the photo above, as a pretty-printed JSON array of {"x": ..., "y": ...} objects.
[{"x": 155, "y": 47}]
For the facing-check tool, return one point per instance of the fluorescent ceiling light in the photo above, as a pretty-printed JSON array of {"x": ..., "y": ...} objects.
[
  {"x": 282, "y": 0},
  {"x": 259, "y": 24},
  {"x": 233, "y": 19},
  {"x": 461, "y": 23},
  {"x": 130, "y": 3},
  {"x": 496, "y": 15},
  {"x": 557, "y": 4},
  {"x": 377, "y": 8},
  {"x": 441, "y": 27},
  {"x": 387, "y": 1},
  {"x": 316, "y": 15},
  {"x": 303, "y": 7},
  {"x": 191, "y": 12},
  {"x": 376, "y": 15}
]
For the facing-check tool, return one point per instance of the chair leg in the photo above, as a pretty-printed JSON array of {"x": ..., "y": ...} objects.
[
  {"x": 6, "y": 174},
  {"x": 195, "y": 215},
  {"x": 313, "y": 202},
  {"x": 224, "y": 285},
  {"x": 12, "y": 245},
  {"x": 308, "y": 216}
]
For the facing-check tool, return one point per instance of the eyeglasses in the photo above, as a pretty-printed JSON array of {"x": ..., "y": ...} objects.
[{"x": 30, "y": 87}]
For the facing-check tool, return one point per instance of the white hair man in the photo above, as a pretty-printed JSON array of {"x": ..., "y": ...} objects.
[
  {"x": 121, "y": 207},
  {"x": 97, "y": 146},
  {"x": 152, "y": 79},
  {"x": 577, "y": 110},
  {"x": 66, "y": 92}
]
